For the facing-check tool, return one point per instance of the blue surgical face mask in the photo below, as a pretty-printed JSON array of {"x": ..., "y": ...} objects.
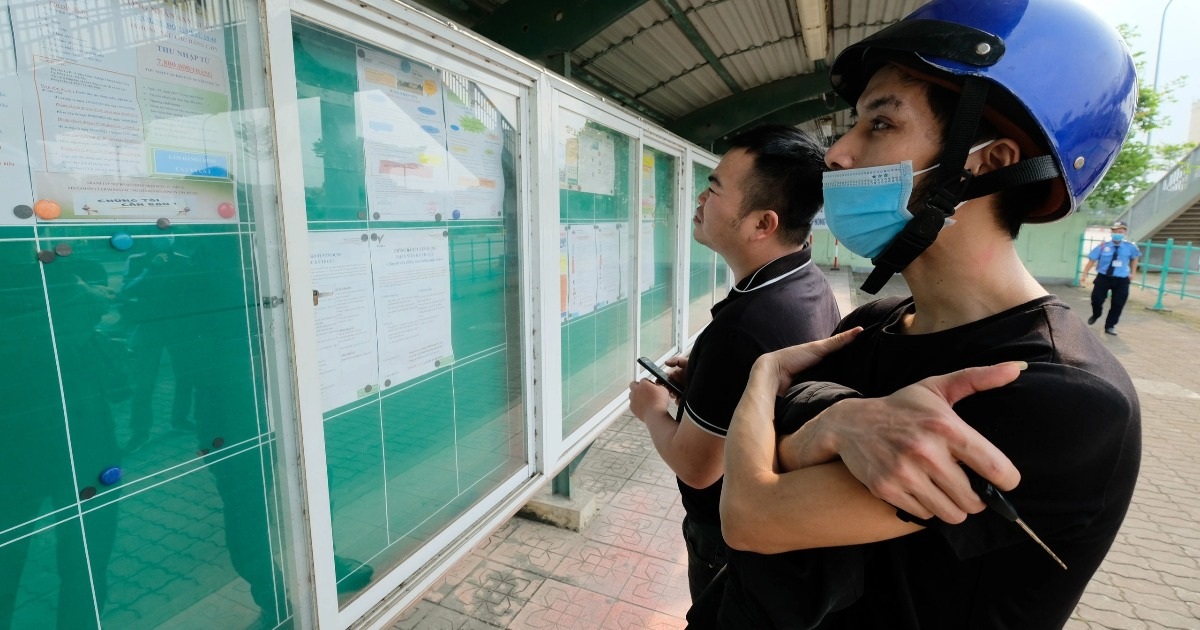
[
  {"x": 866, "y": 208},
  {"x": 1117, "y": 238}
]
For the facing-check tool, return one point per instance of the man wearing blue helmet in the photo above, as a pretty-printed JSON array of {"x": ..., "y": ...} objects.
[{"x": 849, "y": 500}]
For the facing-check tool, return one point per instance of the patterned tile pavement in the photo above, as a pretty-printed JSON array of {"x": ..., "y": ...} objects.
[{"x": 628, "y": 569}]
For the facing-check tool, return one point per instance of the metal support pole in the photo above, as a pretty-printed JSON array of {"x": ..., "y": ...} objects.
[
  {"x": 1162, "y": 25},
  {"x": 1079, "y": 260},
  {"x": 1187, "y": 262},
  {"x": 1162, "y": 276},
  {"x": 561, "y": 483}
]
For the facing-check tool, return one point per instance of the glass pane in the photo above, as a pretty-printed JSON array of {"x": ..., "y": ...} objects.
[
  {"x": 595, "y": 180},
  {"x": 411, "y": 180},
  {"x": 656, "y": 275},
  {"x": 702, "y": 275},
  {"x": 134, "y": 358}
]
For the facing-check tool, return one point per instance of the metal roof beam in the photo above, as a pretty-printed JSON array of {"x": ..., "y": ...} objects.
[
  {"x": 582, "y": 75},
  {"x": 538, "y": 29},
  {"x": 716, "y": 119},
  {"x": 689, "y": 30},
  {"x": 790, "y": 116}
]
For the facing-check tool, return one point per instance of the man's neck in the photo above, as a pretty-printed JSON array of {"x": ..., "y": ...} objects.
[
  {"x": 754, "y": 260},
  {"x": 962, "y": 280}
]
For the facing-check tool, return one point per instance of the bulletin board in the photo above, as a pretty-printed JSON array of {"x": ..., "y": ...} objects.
[
  {"x": 139, "y": 448},
  {"x": 596, "y": 176},
  {"x": 656, "y": 262},
  {"x": 410, "y": 180},
  {"x": 702, "y": 272}
]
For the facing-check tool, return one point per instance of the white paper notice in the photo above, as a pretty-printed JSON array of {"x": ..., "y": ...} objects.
[
  {"x": 649, "y": 200},
  {"x": 476, "y": 144},
  {"x": 345, "y": 316},
  {"x": 587, "y": 157},
  {"x": 608, "y": 273},
  {"x": 646, "y": 276},
  {"x": 402, "y": 122},
  {"x": 583, "y": 263},
  {"x": 14, "y": 163},
  {"x": 139, "y": 129},
  {"x": 411, "y": 270},
  {"x": 564, "y": 266}
]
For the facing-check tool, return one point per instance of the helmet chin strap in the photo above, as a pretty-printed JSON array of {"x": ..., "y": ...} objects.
[{"x": 953, "y": 181}]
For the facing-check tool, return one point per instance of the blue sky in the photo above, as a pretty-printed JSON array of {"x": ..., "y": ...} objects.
[{"x": 1180, "y": 52}]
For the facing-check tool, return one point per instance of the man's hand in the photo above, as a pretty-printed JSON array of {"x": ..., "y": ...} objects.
[
  {"x": 907, "y": 447},
  {"x": 785, "y": 364},
  {"x": 678, "y": 372},
  {"x": 647, "y": 397}
]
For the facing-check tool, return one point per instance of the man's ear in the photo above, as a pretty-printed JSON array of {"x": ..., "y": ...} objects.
[
  {"x": 766, "y": 223},
  {"x": 1000, "y": 153}
]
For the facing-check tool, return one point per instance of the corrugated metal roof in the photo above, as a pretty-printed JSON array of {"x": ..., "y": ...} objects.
[
  {"x": 632, "y": 25},
  {"x": 737, "y": 25},
  {"x": 654, "y": 56},
  {"x": 678, "y": 97}
]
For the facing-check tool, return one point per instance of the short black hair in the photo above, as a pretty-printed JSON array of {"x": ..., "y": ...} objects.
[{"x": 788, "y": 165}]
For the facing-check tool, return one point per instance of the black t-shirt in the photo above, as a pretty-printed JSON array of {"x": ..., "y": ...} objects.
[
  {"x": 1071, "y": 425},
  {"x": 785, "y": 303}
]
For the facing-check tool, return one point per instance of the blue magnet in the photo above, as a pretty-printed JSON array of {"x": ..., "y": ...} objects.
[
  {"x": 110, "y": 476},
  {"x": 121, "y": 241},
  {"x": 456, "y": 214}
]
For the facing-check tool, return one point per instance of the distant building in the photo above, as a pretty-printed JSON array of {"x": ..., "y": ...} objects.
[{"x": 1194, "y": 123}]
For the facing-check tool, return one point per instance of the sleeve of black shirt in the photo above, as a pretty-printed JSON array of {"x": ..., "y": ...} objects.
[{"x": 720, "y": 376}]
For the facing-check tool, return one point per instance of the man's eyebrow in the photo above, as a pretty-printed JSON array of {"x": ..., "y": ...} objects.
[{"x": 888, "y": 101}]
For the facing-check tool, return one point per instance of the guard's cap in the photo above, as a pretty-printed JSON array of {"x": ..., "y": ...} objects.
[{"x": 1120, "y": 225}]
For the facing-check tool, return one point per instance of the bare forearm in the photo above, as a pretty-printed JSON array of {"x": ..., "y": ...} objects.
[
  {"x": 809, "y": 446},
  {"x": 696, "y": 467}
]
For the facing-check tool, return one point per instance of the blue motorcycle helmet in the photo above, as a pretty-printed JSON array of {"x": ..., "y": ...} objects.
[{"x": 1049, "y": 74}]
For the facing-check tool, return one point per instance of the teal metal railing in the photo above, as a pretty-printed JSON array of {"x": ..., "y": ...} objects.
[
  {"x": 1173, "y": 264},
  {"x": 1178, "y": 189}
]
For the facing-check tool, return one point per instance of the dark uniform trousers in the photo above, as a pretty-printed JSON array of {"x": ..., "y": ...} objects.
[
  {"x": 1120, "y": 293},
  {"x": 707, "y": 553}
]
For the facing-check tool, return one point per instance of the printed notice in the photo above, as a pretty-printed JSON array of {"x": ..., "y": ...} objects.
[
  {"x": 587, "y": 157},
  {"x": 646, "y": 275},
  {"x": 583, "y": 265},
  {"x": 140, "y": 130},
  {"x": 609, "y": 268},
  {"x": 345, "y": 316},
  {"x": 402, "y": 121},
  {"x": 564, "y": 266},
  {"x": 476, "y": 143},
  {"x": 14, "y": 163},
  {"x": 649, "y": 201},
  {"x": 411, "y": 270}
]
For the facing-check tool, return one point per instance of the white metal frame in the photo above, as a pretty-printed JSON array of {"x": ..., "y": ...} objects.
[
  {"x": 694, "y": 156},
  {"x": 677, "y": 149},
  {"x": 541, "y": 96}
]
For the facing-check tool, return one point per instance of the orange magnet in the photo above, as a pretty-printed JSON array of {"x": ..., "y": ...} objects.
[{"x": 47, "y": 210}]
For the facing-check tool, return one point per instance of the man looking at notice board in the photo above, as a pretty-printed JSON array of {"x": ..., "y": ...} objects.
[{"x": 756, "y": 213}]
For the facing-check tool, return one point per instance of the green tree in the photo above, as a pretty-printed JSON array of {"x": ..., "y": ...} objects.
[{"x": 1137, "y": 160}]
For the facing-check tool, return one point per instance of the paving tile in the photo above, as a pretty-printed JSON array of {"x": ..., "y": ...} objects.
[
  {"x": 534, "y": 547},
  {"x": 597, "y": 567},
  {"x": 610, "y": 463},
  {"x": 426, "y": 615},
  {"x": 493, "y": 593},
  {"x": 660, "y": 585},
  {"x": 559, "y": 605},
  {"x": 655, "y": 471},
  {"x": 644, "y": 498},
  {"x": 623, "y": 528},
  {"x": 626, "y": 616}
]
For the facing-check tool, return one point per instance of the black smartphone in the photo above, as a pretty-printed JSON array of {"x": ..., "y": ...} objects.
[{"x": 660, "y": 375}]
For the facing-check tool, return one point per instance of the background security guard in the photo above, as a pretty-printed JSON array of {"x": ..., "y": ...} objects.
[{"x": 1117, "y": 261}]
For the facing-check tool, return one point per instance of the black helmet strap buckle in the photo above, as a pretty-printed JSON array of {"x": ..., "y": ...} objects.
[{"x": 953, "y": 182}]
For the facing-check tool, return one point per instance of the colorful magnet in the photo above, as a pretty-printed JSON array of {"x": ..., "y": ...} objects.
[
  {"x": 364, "y": 238},
  {"x": 163, "y": 223},
  {"x": 202, "y": 452},
  {"x": 87, "y": 493},
  {"x": 121, "y": 242},
  {"x": 218, "y": 442},
  {"x": 457, "y": 214},
  {"x": 362, "y": 214},
  {"x": 110, "y": 476},
  {"x": 377, "y": 215},
  {"x": 22, "y": 211},
  {"x": 63, "y": 249},
  {"x": 226, "y": 210},
  {"x": 47, "y": 256},
  {"x": 437, "y": 217},
  {"x": 387, "y": 383},
  {"x": 47, "y": 210}
]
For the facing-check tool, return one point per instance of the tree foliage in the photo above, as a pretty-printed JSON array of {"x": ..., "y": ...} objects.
[{"x": 1130, "y": 173}]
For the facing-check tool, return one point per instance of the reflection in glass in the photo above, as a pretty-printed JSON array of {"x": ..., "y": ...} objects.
[
  {"x": 410, "y": 176},
  {"x": 595, "y": 172},
  {"x": 131, "y": 346},
  {"x": 656, "y": 273}
]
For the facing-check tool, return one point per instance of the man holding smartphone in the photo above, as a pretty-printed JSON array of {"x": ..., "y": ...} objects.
[{"x": 756, "y": 213}]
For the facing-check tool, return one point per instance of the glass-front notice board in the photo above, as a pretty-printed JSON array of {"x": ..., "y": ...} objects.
[
  {"x": 410, "y": 178},
  {"x": 595, "y": 177},
  {"x": 139, "y": 448},
  {"x": 702, "y": 274},
  {"x": 656, "y": 262}
]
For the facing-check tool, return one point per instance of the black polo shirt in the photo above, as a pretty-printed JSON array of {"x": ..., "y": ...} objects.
[{"x": 785, "y": 303}]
